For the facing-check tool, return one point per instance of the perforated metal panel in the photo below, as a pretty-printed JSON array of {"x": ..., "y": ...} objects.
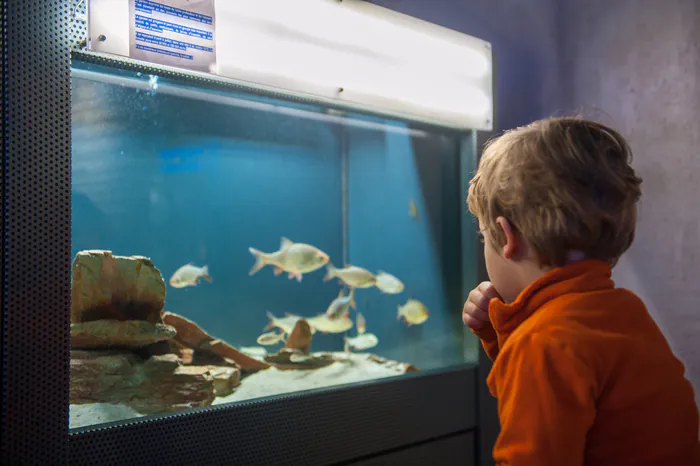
[
  {"x": 36, "y": 232},
  {"x": 78, "y": 30},
  {"x": 455, "y": 450},
  {"x": 319, "y": 428}
]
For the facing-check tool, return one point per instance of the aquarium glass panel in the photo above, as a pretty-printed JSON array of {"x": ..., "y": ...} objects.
[{"x": 230, "y": 246}]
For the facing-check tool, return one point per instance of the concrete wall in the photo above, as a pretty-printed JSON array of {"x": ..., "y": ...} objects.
[{"x": 636, "y": 65}]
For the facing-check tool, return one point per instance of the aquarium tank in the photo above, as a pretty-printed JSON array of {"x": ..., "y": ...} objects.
[{"x": 230, "y": 245}]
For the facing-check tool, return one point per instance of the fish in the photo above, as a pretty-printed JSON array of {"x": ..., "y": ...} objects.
[
  {"x": 286, "y": 323},
  {"x": 323, "y": 324},
  {"x": 271, "y": 338},
  {"x": 189, "y": 275},
  {"x": 353, "y": 276},
  {"x": 299, "y": 358},
  {"x": 341, "y": 305},
  {"x": 254, "y": 351},
  {"x": 413, "y": 210},
  {"x": 387, "y": 283},
  {"x": 413, "y": 312},
  {"x": 361, "y": 323},
  {"x": 361, "y": 342},
  {"x": 294, "y": 258}
]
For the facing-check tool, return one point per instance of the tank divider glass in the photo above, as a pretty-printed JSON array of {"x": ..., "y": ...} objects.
[{"x": 344, "y": 170}]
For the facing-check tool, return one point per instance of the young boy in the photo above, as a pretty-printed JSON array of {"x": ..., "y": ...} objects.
[{"x": 582, "y": 374}]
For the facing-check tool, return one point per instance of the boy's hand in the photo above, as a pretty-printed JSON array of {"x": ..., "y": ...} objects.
[{"x": 476, "y": 310}]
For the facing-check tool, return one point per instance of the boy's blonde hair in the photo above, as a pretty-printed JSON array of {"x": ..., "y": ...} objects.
[{"x": 565, "y": 184}]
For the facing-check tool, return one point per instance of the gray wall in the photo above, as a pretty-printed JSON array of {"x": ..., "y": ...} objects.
[{"x": 636, "y": 65}]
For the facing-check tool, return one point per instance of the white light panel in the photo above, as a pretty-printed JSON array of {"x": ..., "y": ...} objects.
[{"x": 354, "y": 52}]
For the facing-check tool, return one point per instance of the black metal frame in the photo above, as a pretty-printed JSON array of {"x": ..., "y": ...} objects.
[
  {"x": 330, "y": 426},
  {"x": 36, "y": 232},
  {"x": 316, "y": 428}
]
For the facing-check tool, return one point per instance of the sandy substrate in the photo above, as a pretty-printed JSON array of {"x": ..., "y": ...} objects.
[
  {"x": 98, "y": 413},
  {"x": 272, "y": 381}
]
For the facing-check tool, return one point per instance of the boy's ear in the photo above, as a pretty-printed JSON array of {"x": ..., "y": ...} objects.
[{"x": 511, "y": 247}]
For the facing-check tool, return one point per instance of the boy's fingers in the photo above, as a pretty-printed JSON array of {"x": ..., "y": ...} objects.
[
  {"x": 487, "y": 289},
  {"x": 478, "y": 299},
  {"x": 475, "y": 312},
  {"x": 471, "y": 322}
]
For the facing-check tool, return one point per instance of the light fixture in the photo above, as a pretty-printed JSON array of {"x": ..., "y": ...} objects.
[{"x": 356, "y": 53}]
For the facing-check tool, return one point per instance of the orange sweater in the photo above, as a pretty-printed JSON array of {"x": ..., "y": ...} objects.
[{"x": 583, "y": 376}]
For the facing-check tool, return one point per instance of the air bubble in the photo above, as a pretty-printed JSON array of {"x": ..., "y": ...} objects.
[{"x": 153, "y": 82}]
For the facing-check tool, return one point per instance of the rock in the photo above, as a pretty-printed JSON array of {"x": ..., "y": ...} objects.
[
  {"x": 166, "y": 347},
  {"x": 158, "y": 384},
  {"x": 289, "y": 359},
  {"x": 207, "y": 348},
  {"x": 402, "y": 366},
  {"x": 300, "y": 338},
  {"x": 226, "y": 379},
  {"x": 96, "y": 376},
  {"x": 202, "y": 357},
  {"x": 186, "y": 354},
  {"x": 118, "y": 333},
  {"x": 174, "y": 391},
  {"x": 226, "y": 351},
  {"x": 105, "y": 286},
  {"x": 162, "y": 364},
  {"x": 188, "y": 333}
]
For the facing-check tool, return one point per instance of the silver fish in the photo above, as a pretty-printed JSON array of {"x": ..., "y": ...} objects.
[
  {"x": 413, "y": 312},
  {"x": 294, "y": 258},
  {"x": 286, "y": 323},
  {"x": 254, "y": 351},
  {"x": 388, "y": 283},
  {"x": 361, "y": 323},
  {"x": 353, "y": 276},
  {"x": 189, "y": 275},
  {"x": 341, "y": 305},
  {"x": 362, "y": 342},
  {"x": 271, "y": 338},
  {"x": 323, "y": 324},
  {"x": 299, "y": 358}
]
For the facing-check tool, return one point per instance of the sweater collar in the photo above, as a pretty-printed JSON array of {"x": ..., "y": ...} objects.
[{"x": 575, "y": 277}]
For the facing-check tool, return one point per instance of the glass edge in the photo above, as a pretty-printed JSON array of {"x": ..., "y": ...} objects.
[{"x": 470, "y": 255}]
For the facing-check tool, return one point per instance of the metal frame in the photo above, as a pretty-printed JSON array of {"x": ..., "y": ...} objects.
[
  {"x": 36, "y": 232},
  {"x": 334, "y": 425}
]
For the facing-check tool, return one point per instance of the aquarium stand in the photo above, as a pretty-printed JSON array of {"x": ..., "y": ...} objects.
[{"x": 419, "y": 419}]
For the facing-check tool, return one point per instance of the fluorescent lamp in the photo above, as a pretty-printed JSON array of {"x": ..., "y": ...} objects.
[
  {"x": 353, "y": 52},
  {"x": 358, "y": 53}
]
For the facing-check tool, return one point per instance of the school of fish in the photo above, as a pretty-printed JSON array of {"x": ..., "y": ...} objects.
[{"x": 298, "y": 259}]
